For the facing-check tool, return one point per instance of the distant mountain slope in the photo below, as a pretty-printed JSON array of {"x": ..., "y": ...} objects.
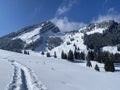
[
  {"x": 30, "y": 37},
  {"x": 46, "y": 37}
]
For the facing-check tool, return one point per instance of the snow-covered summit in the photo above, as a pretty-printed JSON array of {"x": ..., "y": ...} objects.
[
  {"x": 30, "y": 37},
  {"x": 47, "y": 37},
  {"x": 33, "y": 33},
  {"x": 98, "y": 27}
]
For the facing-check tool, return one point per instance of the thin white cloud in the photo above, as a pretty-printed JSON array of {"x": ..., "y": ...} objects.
[
  {"x": 112, "y": 14},
  {"x": 101, "y": 18},
  {"x": 65, "y": 7},
  {"x": 63, "y": 22},
  {"x": 65, "y": 25}
]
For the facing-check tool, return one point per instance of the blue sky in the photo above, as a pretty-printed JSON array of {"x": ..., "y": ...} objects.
[{"x": 15, "y": 14}]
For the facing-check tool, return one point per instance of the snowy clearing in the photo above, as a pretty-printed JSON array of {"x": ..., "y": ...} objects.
[{"x": 57, "y": 74}]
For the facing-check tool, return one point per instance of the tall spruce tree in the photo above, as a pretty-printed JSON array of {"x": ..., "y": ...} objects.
[
  {"x": 55, "y": 56},
  {"x": 70, "y": 56},
  {"x": 88, "y": 64},
  {"x": 108, "y": 64},
  {"x": 76, "y": 54},
  {"x": 63, "y": 55},
  {"x": 42, "y": 52},
  {"x": 90, "y": 55},
  {"x": 82, "y": 56},
  {"x": 48, "y": 54}
]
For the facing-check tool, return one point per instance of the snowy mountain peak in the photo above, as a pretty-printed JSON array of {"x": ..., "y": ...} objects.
[
  {"x": 32, "y": 33},
  {"x": 98, "y": 27},
  {"x": 30, "y": 37},
  {"x": 44, "y": 37}
]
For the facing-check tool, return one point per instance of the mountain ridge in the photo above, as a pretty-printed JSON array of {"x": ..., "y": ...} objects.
[{"x": 47, "y": 37}]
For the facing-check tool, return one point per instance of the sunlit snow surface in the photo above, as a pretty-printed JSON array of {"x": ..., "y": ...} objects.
[
  {"x": 57, "y": 74},
  {"x": 31, "y": 36},
  {"x": 96, "y": 30},
  {"x": 111, "y": 49},
  {"x": 77, "y": 40}
]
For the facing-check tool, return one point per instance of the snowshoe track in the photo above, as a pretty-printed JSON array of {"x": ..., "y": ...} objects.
[{"x": 24, "y": 79}]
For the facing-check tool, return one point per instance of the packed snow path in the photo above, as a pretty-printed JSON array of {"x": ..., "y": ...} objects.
[{"x": 24, "y": 79}]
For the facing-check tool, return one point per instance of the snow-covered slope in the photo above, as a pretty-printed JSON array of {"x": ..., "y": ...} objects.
[
  {"x": 46, "y": 37},
  {"x": 111, "y": 49},
  {"x": 6, "y": 72},
  {"x": 71, "y": 41},
  {"x": 96, "y": 30},
  {"x": 53, "y": 74},
  {"x": 75, "y": 39},
  {"x": 30, "y": 37}
]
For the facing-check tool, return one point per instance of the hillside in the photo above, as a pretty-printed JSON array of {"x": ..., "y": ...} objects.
[
  {"x": 42, "y": 73},
  {"x": 46, "y": 37}
]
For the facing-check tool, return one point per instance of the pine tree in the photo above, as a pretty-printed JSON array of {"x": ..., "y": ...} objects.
[
  {"x": 90, "y": 55},
  {"x": 70, "y": 56},
  {"x": 55, "y": 56},
  {"x": 88, "y": 64},
  {"x": 42, "y": 53},
  {"x": 82, "y": 56},
  {"x": 48, "y": 54},
  {"x": 65, "y": 56},
  {"x": 76, "y": 54},
  {"x": 97, "y": 68},
  {"x": 108, "y": 64},
  {"x": 25, "y": 52},
  {"x": 62, "y": 55}
]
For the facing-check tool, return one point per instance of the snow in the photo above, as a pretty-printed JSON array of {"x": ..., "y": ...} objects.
[
  {"x": 57, "y": 74},
  {"x": 111, "y": 49},
  {"x": 96, "y": 30},
  {"x": 31, "y": 36},
  {"x": 32, "y": 83},
  {"x": 78, "y": 41},
  {"x": 5, "y": 73}
]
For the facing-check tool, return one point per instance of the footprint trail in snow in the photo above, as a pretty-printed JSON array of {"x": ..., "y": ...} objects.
[{"x": 24, "y": 79}]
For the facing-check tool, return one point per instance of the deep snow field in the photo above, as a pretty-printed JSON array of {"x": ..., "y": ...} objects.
[{"x": 26, "y": 72}]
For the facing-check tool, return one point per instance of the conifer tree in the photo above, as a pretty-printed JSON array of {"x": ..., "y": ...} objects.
[
  {"x": 90, "y": 55},
  {"x": 65, "y": 56},
  {"x": 82, "y": 56},
  {"x": 62, "y": 55},
  {"x": 48, "y": 54},
  {"x": 55, "y": 56},
  {"x": 25, "y": 52},
  {"x": 70, "y": 55},
  {"x": 108, "y": 64},
  {"x": 42, "y": 53},
  {"x": 88, "y": 64},
  {"x": 97, "y": 68},
  {"x": 76, "y": 54}
]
